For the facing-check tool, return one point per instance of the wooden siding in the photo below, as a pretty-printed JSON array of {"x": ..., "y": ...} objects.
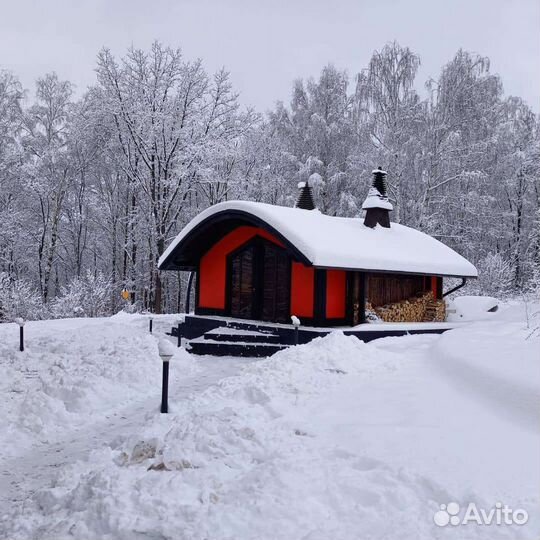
[
  {"x": 242, "y": 286},
  {"x": 275, "y": 284},
  {"x": 385, "y": 289}
]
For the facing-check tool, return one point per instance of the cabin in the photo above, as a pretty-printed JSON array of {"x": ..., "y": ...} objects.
[{"x": 256, "y": 265}]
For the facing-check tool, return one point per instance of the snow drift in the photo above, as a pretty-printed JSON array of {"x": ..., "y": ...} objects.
[{"x": 334, "y": 439}]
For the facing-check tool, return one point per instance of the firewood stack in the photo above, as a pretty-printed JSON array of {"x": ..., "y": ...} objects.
[
  {"x": 435, "y": 310},
  {"x": 423, "y": 308}
]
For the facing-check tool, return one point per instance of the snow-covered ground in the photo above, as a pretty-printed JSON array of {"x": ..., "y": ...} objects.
[{"x": 336, "y": 439}]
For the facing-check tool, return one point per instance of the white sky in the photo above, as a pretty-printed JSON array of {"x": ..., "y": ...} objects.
[{"x": 266, "y": 44}]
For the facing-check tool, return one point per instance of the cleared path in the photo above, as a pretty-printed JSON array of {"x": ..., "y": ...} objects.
[{"x": 20, "y": 477}]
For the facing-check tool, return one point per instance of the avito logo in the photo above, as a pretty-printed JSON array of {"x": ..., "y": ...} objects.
[{"x": 452, "y": 514}]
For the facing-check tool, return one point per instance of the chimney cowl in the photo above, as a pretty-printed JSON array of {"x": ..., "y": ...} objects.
[
  {"x": 376, "y": 204},
  {"x": 305, "y": 197}
]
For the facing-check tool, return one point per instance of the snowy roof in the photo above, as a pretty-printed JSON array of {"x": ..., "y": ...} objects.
[{"x": 338, "y": 242}]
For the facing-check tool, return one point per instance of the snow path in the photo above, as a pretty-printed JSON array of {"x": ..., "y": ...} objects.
[{"x": 38, "y": 466}]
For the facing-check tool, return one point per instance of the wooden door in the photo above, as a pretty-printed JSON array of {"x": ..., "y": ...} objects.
[
  {"x": 275, "y": 284},
  {"x": 260, "y": 282},
  {"x": 242, "y": 283},
  {"x": 358, "y": 298}
]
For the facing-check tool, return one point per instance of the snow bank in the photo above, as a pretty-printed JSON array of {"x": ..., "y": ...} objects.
[
  {"x": 71, "y": 371},
  {"x": 472, "y": 308},
  {"x": 333, "y": 439},
  {"x": 236, "y": 462},
  {"x": 498, "y": 364}
]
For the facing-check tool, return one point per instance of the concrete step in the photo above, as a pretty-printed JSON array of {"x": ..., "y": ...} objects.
[
  {"x": 236, "y": 335},
  {"x": 212, "y": 347}
]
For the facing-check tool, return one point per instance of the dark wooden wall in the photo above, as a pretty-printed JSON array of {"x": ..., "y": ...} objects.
[{"x": 385, "y": 289}]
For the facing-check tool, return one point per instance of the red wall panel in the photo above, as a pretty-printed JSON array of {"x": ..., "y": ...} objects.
[
  {"x": 436, "y": 287},
  {"x": 302, "y": 290},
  {"x": 213, "y": 266},
  {"x": 335, "y": 294}
]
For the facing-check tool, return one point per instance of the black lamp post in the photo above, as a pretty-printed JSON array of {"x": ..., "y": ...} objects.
[
  {"x": 20, "y": 322},
  {"x": 166, "y": 352}
]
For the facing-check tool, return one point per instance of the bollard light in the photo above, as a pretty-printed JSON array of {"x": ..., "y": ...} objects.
[
  {"x": 166, "y": 352},
  {"x": 179, "y": 324},
  {"x": 20, "y": 322},
  {"x": 296, "y": 323}
]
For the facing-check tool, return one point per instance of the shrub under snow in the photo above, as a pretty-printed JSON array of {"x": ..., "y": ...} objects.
[
  {"x": 87, "y": 296},
  {"x": 18, "y": 299},
  {"x": 494, "y": 275}
]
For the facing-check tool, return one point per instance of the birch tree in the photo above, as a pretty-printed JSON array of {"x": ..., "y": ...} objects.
[
  {"x": 48, "y": 170},
  {"x": 386, "y": 99},
  {"x": 11, "y": 218}
]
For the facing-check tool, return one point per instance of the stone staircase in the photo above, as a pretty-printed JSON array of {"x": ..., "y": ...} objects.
[
  {"x": 234, "y": 341},
  {"x": 224, "y": 336}
]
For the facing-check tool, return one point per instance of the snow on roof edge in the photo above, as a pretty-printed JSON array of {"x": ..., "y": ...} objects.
[
  {"x": 216, "y": 208},
  {"x": 333, "y": 242}
]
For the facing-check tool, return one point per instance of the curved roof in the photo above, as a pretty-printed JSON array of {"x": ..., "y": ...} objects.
[{"x": 320, "y": 240}]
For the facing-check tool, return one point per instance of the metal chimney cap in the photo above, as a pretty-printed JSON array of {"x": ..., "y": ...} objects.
[{"x": 305, "y": 197}]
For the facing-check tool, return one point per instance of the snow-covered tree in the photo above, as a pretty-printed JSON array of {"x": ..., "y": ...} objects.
[
  {"x": 18, "y": 298},
  {"x": 84, "y": 296},
  {"x": 48, "y": 169},
  {"x": 93, "y": 188},
  {"x": 319, "y": 135},
  {"x": 171, "y": 121},
  {"x": 388, "y": 109}
]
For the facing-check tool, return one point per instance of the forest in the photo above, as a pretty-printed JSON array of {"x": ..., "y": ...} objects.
[{"x": 94, "y": 187}]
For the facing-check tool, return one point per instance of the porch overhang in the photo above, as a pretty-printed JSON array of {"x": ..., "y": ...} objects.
[{"x": 187, "y": 253}]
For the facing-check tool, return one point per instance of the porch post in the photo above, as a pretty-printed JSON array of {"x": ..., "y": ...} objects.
[
  {"x": 362, "y": 297},
  {"x": 188, "y": 292}
]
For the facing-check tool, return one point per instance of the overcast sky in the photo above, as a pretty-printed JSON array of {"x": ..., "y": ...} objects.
[{"x": 266, "y": 44}]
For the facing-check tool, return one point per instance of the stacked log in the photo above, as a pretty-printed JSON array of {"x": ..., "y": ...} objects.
[
  {"x": 435, "y": 310},
  {"x": 423, "y": 308}
]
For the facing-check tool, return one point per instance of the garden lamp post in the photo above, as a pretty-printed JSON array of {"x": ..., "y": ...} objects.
[
  {"x": 166, "y": 352},
  {"x": 20, "y": 322}
]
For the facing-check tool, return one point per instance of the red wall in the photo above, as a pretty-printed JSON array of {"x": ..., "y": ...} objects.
[
  {"x": 335, "y": 294},
  {"x": 213, "y": 265},
  {"x": 302, "y": 290},
  {"x": 213, "y": 278}
]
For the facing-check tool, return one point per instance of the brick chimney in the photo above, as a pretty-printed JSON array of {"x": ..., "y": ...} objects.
[
  {"x": 305, "y": 197},
  {"x": 377, "y": 205}
]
